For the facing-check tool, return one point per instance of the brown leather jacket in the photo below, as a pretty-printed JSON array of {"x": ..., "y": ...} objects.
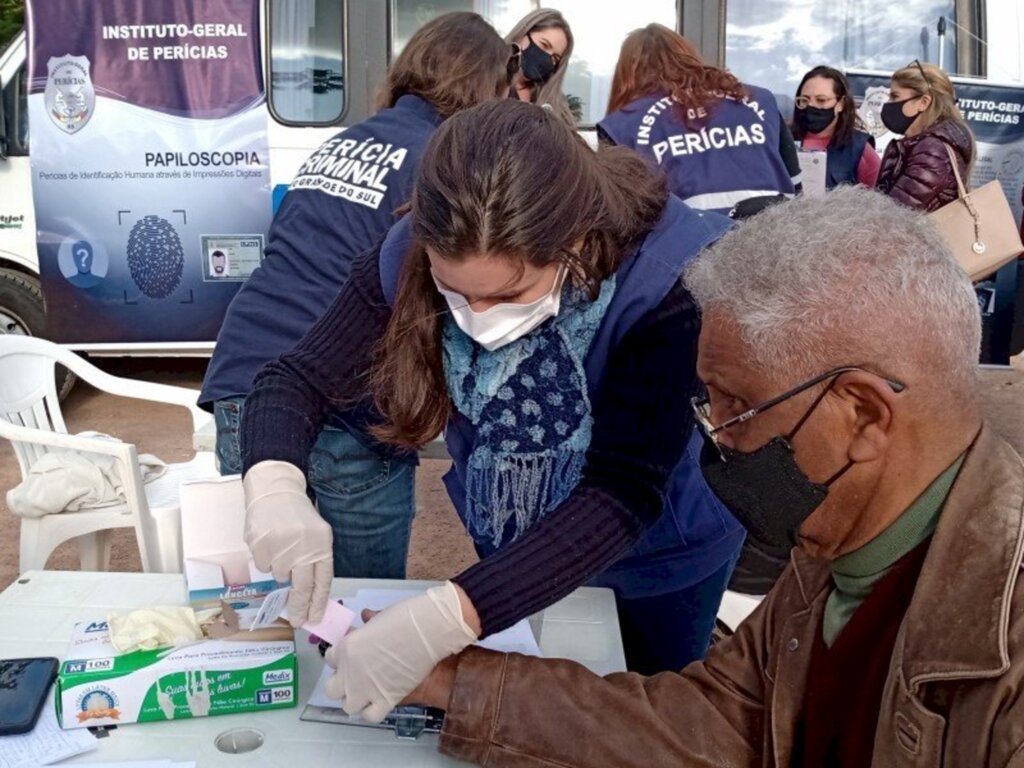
[
  {"x": 916, "y": 170},
  {"x": 954, "y": 695}
]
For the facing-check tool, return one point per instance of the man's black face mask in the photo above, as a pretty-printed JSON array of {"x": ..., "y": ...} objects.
[{"x": 765, "y": 489}]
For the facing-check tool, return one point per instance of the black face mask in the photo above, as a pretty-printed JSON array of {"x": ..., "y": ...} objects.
[
  {"x": 894, "y": 119},
  {"x": 765, "y": 489},
  {"x": 537, "y": 64},
  {"x": 814, "y": 119}
]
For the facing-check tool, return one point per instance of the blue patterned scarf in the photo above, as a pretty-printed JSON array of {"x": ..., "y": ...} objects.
[{"x": 529, "y": 405}]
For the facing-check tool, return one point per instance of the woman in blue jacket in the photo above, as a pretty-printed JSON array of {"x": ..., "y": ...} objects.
[
  {"x": 720, "y": 143},
  {"x": 341, "y": 202},
  {"x": 530, "y": 306},
  {"x": 825, "y": 120}
]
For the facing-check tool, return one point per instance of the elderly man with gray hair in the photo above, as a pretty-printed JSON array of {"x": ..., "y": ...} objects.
[{"x": 839, "y": 349}]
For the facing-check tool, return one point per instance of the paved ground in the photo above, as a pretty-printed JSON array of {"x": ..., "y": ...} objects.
[{"x": 440, "y": 546}]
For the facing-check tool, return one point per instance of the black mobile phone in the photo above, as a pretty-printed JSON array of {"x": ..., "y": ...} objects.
[{"x": 24, "y": 684}]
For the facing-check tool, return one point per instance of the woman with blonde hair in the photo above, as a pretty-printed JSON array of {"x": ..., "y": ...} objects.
[
  {"x": 544, "y": 41},
  {"x": 916, "y": 169}
]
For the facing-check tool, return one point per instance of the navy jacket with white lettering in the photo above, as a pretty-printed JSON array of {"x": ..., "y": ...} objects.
[
  {"x": 340, "y": 204},
  {"x": 728, "y": 154}
]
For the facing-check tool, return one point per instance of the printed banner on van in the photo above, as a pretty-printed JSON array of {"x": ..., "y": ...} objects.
[
  {"x": 994, "y": 112},
  {"x": 150, "y": 166}
]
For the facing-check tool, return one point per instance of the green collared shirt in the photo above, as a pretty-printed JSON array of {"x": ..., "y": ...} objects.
[{"x": 856, "y": 573}]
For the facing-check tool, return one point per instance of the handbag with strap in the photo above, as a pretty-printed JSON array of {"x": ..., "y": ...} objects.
[{"x": 978, "y": 226}]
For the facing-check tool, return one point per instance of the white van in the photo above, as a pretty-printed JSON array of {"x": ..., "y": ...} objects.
[
  {"x": 312, "y": 91},
  {"x": 323, "y": 61}
]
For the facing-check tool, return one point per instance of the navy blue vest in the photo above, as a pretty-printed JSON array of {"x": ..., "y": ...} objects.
[
  {"x": 841, "y": 164},
  {"x": 695, "y": 535},
  {"x": 731, "y": 153},
  {"x": 340, "y": 204}
]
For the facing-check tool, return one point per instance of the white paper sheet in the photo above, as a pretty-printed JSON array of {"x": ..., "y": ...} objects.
[
  {"x": 516, "y": 639},
  {"x": 45, "y": 744},
  {"x": 320, "y": 697}
]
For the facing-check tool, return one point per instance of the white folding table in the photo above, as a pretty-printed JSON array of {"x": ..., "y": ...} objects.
[{"x": 38, "y": 611}]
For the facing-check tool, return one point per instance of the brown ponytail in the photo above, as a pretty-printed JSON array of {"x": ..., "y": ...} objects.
[{"x": 504, "y": 179}]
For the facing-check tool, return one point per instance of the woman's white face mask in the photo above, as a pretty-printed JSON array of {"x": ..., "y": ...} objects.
[{"x": 503, "y": 323}]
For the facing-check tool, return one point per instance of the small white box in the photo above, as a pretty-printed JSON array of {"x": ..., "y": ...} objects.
[{"x": 218, "y": 564}]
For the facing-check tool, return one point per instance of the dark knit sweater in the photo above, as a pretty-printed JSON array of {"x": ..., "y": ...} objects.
[
  {"x": 642, "y": 421},
  {"x": 845, "y": 683}
]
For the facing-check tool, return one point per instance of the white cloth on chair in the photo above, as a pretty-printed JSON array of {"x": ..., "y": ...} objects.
[{"x": 69, "y": 481}]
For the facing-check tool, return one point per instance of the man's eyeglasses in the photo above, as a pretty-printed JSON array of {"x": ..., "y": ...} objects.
[{"x": 702, "y": 405}]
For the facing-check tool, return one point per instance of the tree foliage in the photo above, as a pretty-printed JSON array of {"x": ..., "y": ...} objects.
[
  {"x": 575, "y": 106},
  {"x": 12, "y": 18}
]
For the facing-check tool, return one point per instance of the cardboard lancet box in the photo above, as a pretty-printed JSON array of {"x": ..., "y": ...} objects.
[
  {"x": 234, "y": 671},
  {"x": 218, "y": 565}
]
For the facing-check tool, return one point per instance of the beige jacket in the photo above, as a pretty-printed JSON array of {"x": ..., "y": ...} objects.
[{"x": 954, "y": 695}]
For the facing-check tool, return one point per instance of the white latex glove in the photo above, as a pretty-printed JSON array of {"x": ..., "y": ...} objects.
[
  {"x": 381, "y": 663},
  {"x": 150, "y": 628},
  {"x": 288, "y": 537}
]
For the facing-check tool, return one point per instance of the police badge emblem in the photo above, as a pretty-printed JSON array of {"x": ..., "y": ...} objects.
[
  {"x": 69, "y": 97},
  {"x": 870, "y": 110}
]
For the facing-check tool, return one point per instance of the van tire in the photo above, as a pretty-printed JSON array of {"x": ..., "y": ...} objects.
[{"x": 23, "y": 312}]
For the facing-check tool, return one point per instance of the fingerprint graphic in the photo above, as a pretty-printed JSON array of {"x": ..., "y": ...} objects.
[{"x": 155, "y": 256}]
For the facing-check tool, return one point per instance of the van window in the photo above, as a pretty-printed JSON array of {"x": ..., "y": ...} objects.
[
  {"x": 15, "y": 96},
  {"x": 21, "y": 128},
  {"x": 598, "y": 37},
  {"x": 772, "y": 43},
  {"x": 307, "y": 63}
]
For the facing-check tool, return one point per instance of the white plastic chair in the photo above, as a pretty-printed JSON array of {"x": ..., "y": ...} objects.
[{"x": 31, "y": 419}]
